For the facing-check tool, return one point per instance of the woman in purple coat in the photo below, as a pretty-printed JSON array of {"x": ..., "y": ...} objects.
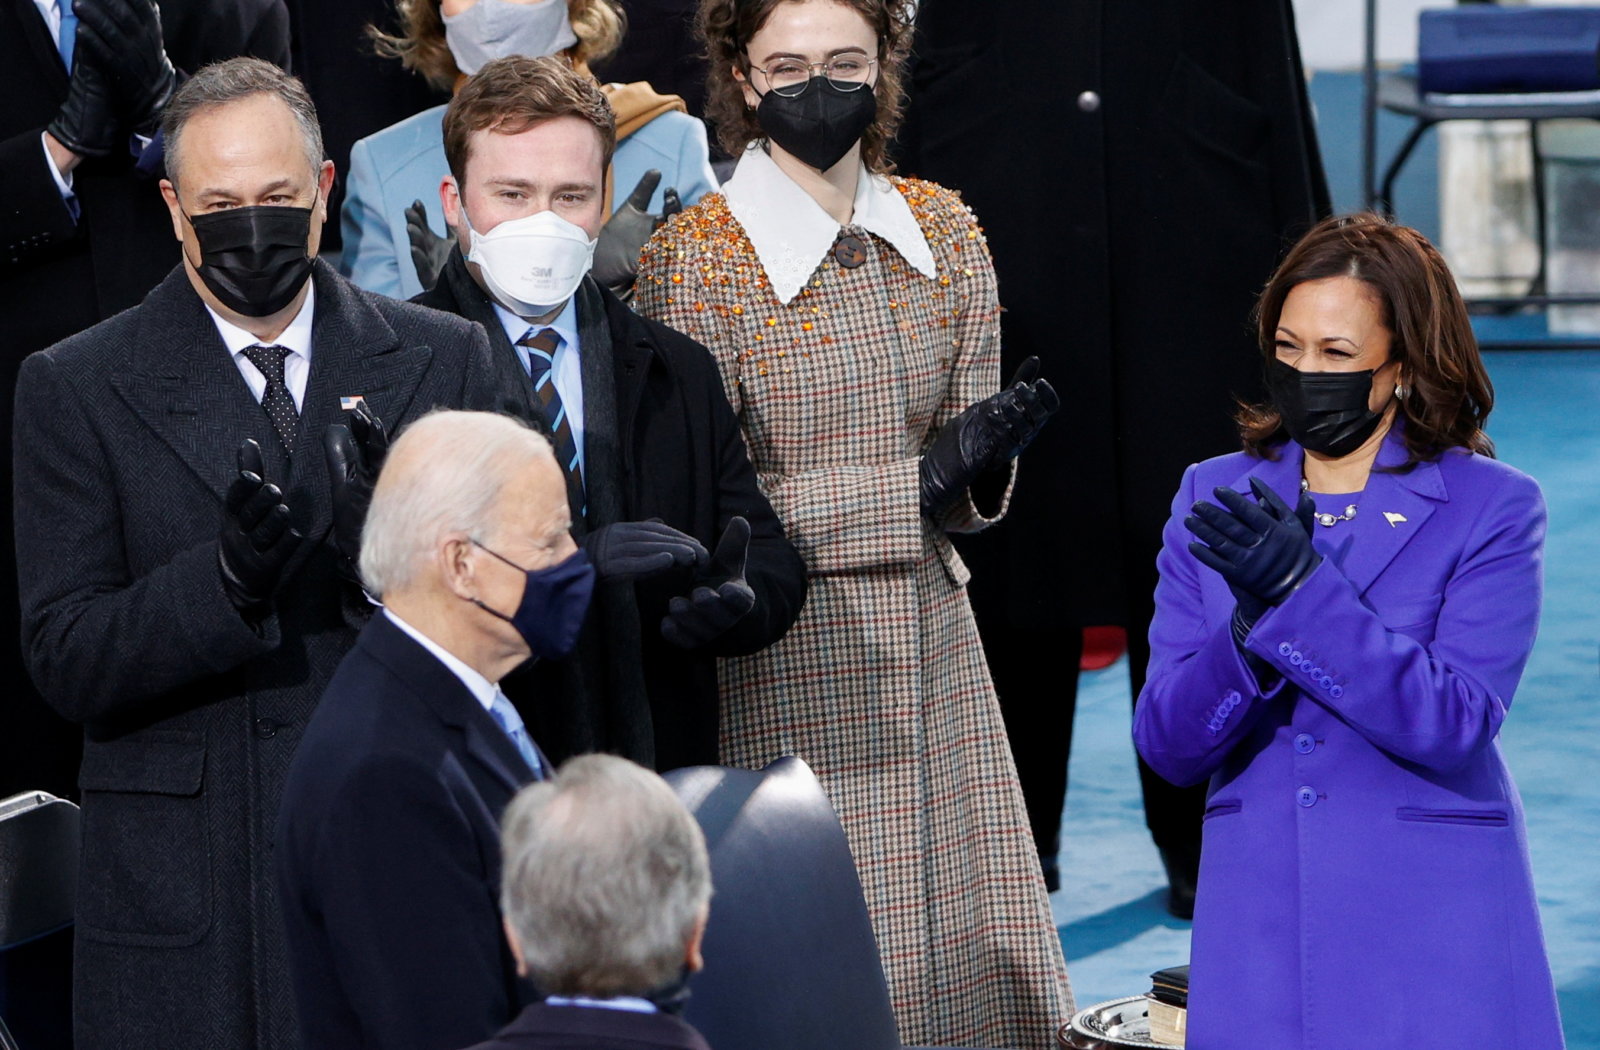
[{"x": 1337, "y": 639}]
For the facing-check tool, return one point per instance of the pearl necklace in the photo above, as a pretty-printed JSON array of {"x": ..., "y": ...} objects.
[{"x": 1329, "y": 520}]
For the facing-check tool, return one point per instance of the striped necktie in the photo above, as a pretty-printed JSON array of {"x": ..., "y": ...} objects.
[
  {"x": 276, "y": 399},
  {"x": 542, "y": 345},
  {"x": 508, "y": 719}
]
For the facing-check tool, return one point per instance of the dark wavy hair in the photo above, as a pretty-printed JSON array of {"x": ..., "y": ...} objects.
[
  {"x": 726, "y": 26},
  {"x": 1450, "y": 396}
]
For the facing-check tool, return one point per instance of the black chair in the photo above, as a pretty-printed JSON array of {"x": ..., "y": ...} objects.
[
  {"x": 791, "y": 963},
  {"x": 1399, "y": 93},
  {"x": 38, "y": 876}
]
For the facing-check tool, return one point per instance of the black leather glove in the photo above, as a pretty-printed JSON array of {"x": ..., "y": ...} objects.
[
  {"x": 1263, "y": 549},
  {"x": 123, "y": 38},
  {"x": 354, "y": 453},
  {"x": 429, "y": 251},
  {"x": 985, "y": 437},
  {"x": 87, "y": 121},
  {"x": 616, "y": 256},
  {"x": 257, "y": 540},
  {"x": 641, "y": 549},
  {"x": 721, "y": 601}
]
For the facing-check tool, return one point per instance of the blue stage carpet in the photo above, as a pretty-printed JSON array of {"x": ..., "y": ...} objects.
[{"x": 1110, "y": 909}]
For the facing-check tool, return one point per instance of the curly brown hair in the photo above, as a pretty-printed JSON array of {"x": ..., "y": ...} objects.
[
  {"x": 420, "y": 46},
  {"x": 726, "y": 27},
  {"x": 1430, "y": 334}
]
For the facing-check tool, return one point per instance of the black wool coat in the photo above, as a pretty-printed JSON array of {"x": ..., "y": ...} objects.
[
  {"x": 125, "y": 445},
  {"x": 58, "y": 277},
  {"x": 660, "y": 441},
  {"x": 1139, "y": 167}
]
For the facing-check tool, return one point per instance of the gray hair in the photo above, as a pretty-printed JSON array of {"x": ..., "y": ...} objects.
[
  {"x": 462, "y": 460},
  {"x": 230, "y": 81},
  {"x": 605, "y": 878}
]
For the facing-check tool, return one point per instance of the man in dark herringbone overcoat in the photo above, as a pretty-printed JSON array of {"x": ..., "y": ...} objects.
[{"x": 183, "y": 592}]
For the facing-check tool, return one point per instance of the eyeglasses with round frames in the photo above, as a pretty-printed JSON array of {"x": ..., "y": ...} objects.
[{"x": 789, "y": 77}]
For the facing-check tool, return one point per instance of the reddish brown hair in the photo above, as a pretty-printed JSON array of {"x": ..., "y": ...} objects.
[
  {"x": 510, "y": 95},
  {"x": 1430, "y": 334},
  {"x": 420, "y": 46},
  {"x": 726, "y": 27}
]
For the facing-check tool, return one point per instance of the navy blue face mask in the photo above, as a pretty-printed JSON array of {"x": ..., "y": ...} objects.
[{"x": 554, "y": 603}]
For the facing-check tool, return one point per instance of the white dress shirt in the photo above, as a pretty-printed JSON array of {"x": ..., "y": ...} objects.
[
  {"x": 296, "y": 338},
  {"x": 482, "y": 690},
  {"x": 791, "y": 232},
  {"x": 566, "y": 368}
]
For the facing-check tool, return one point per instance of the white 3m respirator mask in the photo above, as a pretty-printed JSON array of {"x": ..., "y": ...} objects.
[{"x": 532, "y": 265}]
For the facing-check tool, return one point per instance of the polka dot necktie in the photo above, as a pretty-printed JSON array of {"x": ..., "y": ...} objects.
[
  {"x": 276, "y": 400},
  {"x": 542, "y": 346}
]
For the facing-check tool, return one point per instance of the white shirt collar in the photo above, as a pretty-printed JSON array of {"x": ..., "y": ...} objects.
[
  {"x": 629, "y": 1003},
  {"x": 483, "y": 690},
  {"x": 296, "y": 338},
  {"x": 791, "y": 233},
  {"x": 565, "y": 323}
]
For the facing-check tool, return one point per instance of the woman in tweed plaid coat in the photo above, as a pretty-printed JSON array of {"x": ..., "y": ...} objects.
[{"x": 853, "y": 316}]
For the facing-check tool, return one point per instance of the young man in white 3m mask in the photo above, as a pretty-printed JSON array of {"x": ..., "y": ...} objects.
[{"x": 692, "y": 562}]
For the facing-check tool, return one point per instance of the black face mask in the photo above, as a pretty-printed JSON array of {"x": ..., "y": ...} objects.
[
  {"x": 255, "y": 260},
  {"x": 1324, "y": 412},
  {"x": 820, "y": 124}
]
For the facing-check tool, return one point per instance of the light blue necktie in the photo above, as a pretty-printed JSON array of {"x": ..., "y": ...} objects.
[
  {"x": 511, "y": 722},
  {"x": 68, "y": 39}
]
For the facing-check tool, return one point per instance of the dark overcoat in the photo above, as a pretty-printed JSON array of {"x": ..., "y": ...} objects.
[
  {"x": 388, "y": 856},
  {"x": 125, "y": 445},
  {"x": 660, "y": 441},
  {"x": 1139, "y": 168},
  {"x": 59, "y": 276}
]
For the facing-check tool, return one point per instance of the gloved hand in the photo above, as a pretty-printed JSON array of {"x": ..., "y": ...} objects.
[
  {"x": 257, "y": 540},
  {"x": 721, "y": 601},
  {"x": 641, "y": 549},
  {"x": 87, "y": 121},
  {"x": 1263, "y": 549},
  {"x": 123, "y": 38},
  {"x": 354, "y": 453},
  {"x": 429, "y": 251},
  {"x": 985, "y": 437},
  {"x": 616, "y": 256}
]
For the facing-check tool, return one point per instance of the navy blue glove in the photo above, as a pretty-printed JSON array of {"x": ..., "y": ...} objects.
[
  {"x": 641, "y": 549},
  {"x": 1263, "y": 549},
  {"x": 722, "y": 601}
]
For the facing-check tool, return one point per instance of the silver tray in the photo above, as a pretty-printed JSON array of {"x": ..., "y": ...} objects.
[{"x": 1117, "y": 1023}]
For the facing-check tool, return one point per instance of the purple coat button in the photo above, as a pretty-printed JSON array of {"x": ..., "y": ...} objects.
[
  {"x": 1306, "y": 797},
  {"x": 1305, "y": 744}
]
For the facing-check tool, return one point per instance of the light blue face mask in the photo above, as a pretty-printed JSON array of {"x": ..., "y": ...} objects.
[{"x": 492, "y": 29}]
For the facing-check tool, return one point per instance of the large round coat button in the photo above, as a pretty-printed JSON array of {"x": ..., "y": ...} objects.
[
  {"x": 1089, "y": 101},
  {"x": 1305, "y": 743},
  {"x": 266, "y": 728},
  {"x": 1306, "y": 797}
]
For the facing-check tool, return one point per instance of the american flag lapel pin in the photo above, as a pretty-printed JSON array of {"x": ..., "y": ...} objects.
[
  {"x": 349, "y": 403},
  {"x": 1394, "y": 518}
]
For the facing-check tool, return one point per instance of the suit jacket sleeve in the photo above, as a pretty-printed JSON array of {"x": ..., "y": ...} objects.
[
  {"x": 774, "y": 569},
  {"x": 370, "y": 258},
  {"x": 33, "y": 216},
  {"x": 409, "y": 915},
  {"x": 1437, "y": 704},
  {"x": 99, "y": 641},
  {"x": 1200, "y": 698}
]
